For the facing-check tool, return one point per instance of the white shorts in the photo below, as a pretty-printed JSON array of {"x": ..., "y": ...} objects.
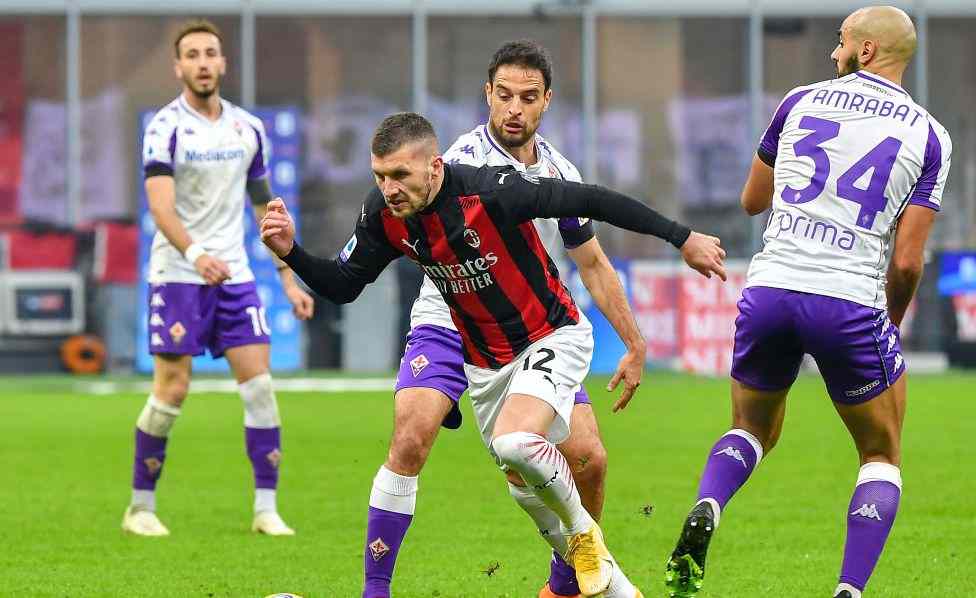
[{"x": 552, "y": 369}]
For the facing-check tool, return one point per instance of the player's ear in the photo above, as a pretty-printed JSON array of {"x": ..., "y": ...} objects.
[
  {"x": 546, "y": 97},
  {"x": 176, "y": 68},
  {"x": 488, "y": 92},
  {"x": 869, "y": 50}
]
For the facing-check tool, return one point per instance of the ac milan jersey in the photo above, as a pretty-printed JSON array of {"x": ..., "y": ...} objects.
[
  {"x": 849, "y": 155},
  {"x": 481, "y": 252},
  {"x": 478, "y": 148},
  {"x": 210, "y": 162}
]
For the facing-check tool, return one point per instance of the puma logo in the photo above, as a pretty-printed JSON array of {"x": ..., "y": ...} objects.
[
  {"x": 501, "y": 177},
  {"x": 412, "y": 245}
]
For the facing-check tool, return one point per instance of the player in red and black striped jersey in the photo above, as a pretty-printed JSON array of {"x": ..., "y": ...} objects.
[{"x": 526, "y": 346}]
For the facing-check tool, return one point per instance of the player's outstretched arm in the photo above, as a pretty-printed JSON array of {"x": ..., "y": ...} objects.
[
  {"x": 161, "y": 194},
  {"x": 757, "y": 194},
  {"x": 338, "y": 280},
  {"x": 907, "y": 260},
  {"x": 601, "y": 281},
  {"x": 550, "y": 198}
]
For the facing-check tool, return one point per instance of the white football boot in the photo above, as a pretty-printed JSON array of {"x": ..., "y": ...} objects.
[
  {"x": 270, "y": 523},
  {"x": 142, "y": 522}
]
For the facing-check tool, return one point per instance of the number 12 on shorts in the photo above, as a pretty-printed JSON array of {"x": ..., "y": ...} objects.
[{"x": 881, "y": 159}]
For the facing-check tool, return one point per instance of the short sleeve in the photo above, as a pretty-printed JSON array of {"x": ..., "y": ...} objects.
[
  {"x": 262, "y": 156},
  {"x": 935, "y": 169},
  {"x": 159, "y": 145},
  {"x": 769, "y": 144}
]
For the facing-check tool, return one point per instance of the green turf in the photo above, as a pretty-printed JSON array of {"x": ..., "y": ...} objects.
[{"x": 65, "y": 463}]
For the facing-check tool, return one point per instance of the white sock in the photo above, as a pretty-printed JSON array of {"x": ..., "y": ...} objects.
[
  {"x": 620, "y": 586},
  {"x": 260, "y": 404},
  {"x": 393, "y": 492},
  {"x": 545, "y": 519},
  {"x": 265, "y": 499},
  {"x": 144, "y": 500},
  {"x": 855, "y": 593},
  {"x": 157, "y": 417},
  {"x": 547, "y": 473}
]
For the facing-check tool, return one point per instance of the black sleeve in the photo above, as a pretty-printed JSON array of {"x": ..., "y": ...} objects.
[
  {"x": 157, "y": 169},
  {"x": 553, "y": 198},
  {"x": 768, "y": 158},
  {"x": 259, "y": 190},
  {"x": 342, "y": 279}
]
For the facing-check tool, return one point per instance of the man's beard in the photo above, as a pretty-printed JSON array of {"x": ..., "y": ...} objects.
[
  {"x": 204, "y": 94},
  {"x": 850, "y": 67},
  {"x": 508, "y": 140}
]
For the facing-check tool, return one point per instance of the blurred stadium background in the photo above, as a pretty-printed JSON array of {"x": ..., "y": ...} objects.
[{"x": 663, "y": 100}]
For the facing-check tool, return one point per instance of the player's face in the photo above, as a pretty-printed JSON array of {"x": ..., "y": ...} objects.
[
  {"x": 200, "y": 63},
  {"x": 845, "y": 54},
  {"x": 406, "y": 177},
  {"x": 517, "y": 97}
]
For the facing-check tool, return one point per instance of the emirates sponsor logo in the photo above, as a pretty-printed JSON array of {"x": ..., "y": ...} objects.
[{"x": 466, "y": 277}]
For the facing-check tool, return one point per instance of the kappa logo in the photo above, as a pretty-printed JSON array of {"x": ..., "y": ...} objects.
[
  {"x": 412, "y": 245},
  {"x": 177, "y": 331},
  {"x": 899, "y": 360},
  {"x": 274, "y": 458},
  {"x": 891, "y": 342},
  {"x": 155, "y": 340},
  {"x": 156, "y": 320},
  {"x": 379, "y": 549},
  {"x": 501, "y": 177},
  {"x": 157, "y": 300},
  {"x": 864, "y": 389},
  {"x": 867, "y": 511},
  {"x": 471, "y": 238},
  {"x": 418, "y": 363},
  {"x": 733, "y": 452}
]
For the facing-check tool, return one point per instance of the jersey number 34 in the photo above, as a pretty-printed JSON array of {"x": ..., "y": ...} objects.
[{"x": 872, "y": 199}]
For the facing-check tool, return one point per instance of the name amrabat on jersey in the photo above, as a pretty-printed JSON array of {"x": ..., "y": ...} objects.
[{"x": 867, "y": 105}]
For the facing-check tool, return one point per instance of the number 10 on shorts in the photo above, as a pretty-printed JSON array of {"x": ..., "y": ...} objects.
[{"x": 258, "y": 321}]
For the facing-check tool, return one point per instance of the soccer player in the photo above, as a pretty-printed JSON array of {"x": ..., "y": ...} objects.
[
  {"x": 854, "y": 171},
  {"x": 526, "y": 346},
  {"x": 200, "y": 153},
  {"x": 431, "y": 377}
]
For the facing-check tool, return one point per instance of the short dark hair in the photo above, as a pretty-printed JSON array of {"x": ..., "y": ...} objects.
[
  {"x": 399, "y": 129},
  {"x": 525, "y": 53},
  {"x": 196, "y": 26}
]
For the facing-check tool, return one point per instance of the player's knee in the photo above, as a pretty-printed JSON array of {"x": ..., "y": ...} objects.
[
  {"x": 173, "y": 388},
  {"x": 260, "y": 403},
  {"x": 512, "y": 449},
  {"x": 409, "y": 449},
  {"x": 592, "y": 465}
]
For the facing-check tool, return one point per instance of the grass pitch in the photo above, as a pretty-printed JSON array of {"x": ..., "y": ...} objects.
[{"x": 66, "y": 460}]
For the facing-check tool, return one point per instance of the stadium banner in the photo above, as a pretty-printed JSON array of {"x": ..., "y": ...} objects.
[
  {"x": 957, "y": 282},
  {"x": 688, "y": 321},
  {"x": 287, "y": 333}
]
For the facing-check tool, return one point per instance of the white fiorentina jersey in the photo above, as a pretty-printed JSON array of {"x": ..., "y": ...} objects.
[
  {"x": 849, "y": 155},
  {"x": 211, "y": 162},
  {"x": 477, "y": 148}
]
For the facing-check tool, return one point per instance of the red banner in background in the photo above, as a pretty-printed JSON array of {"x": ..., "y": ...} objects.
[
  {"x": 11, "y": 121},
  {"x": 706, "y": 320},
  {"x": 964, "y": 305},
  {"x": 654, "y": 295}
]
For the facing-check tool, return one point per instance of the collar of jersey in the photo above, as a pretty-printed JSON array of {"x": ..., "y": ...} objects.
[
  {"x": 875, "y": 78},
  {"x": 511, "y": 159},
  {"x": 224, "y": 107}
]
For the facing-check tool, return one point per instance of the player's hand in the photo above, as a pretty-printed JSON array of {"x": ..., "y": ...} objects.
[
  {"x": 302, "y": 304},
  {"x": 630, "y": 368},
  {"x": 277, "y": 228},
  {"x": 214, "y": 271},
  {"x": 704, "y": 253}
]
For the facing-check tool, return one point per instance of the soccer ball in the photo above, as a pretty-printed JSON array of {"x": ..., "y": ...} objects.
[{"x": 283, "y": 595}]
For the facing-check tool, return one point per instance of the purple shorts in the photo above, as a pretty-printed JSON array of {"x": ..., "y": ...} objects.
[
  {"x": 433, "y": 359},
  {"x": 857, "y": 348},
  {"x": 186, "y": 318}
]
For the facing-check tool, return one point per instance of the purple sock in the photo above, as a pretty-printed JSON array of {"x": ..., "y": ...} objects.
[
  {"x": 264, "y": 450},
  {"x": 730, "y": 462},
  {"x": 869, "y": 519},
  {"x": 384, "y": 534},
  {"x": 148, "y": 465},
  {"x": 562, "y": 577}
]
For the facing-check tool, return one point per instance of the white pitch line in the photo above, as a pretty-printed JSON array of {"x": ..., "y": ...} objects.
[{"x": 230, "y": 386}]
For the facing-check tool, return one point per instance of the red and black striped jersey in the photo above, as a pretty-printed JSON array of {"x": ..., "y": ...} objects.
[
  {"x": 477, "y": 243},
  {"x": 483, "y": 254}
]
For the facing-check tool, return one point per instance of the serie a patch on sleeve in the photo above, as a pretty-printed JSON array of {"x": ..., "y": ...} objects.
[{"x": 346, "y": 252}]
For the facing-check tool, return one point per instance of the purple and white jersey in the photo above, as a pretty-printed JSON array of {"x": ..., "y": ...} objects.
[
  {"x": 849, "y": 155},
  {"x": 478, "y": 148},
  {"x": 210, "y": 162}
]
